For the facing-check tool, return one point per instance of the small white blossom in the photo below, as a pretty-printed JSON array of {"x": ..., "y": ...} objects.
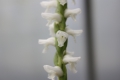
[
  {"x": 46, "y": 43},
  {"x": 48, "y": 4},
  {"x": 53, "y": 71},
  {"x": 61, "y": 37},
  {"x": 73, "y": 33},
  {"x": 68, "y": 58},
  {"x": 51, "y": 29},
  {"x": 62, "y": 2},
  {"x": 51, "y": 17},
  {"x": 72, "y": 13}
]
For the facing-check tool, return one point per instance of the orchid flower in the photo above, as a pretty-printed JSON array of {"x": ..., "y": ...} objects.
[
  {"x": 73, "y": 33},
  {"x": 62, "y": 2},
  {"x": 46, "y": 43},
  {"x": 51, "y": 17},
  {"x": 61, "y": 37},
  {"x": 68, "y": 58},
  {"x": 53, "y": 71},
  {"x": 72, "y": 13},
  {"x": 48, "y": 4}
]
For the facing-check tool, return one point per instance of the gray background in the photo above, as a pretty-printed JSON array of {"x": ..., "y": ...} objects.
[
  {"x": 21, "y": 25},
  {"x": 106, "y": 20}
]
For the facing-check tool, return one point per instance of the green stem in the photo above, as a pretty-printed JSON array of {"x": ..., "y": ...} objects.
[{"x": 58, "y": 59}]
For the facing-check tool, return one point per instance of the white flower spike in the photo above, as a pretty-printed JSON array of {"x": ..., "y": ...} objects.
[
  {"x": 53, "y": 71},
  {"x": 68, "y": 58},
  {"x": 62, "y": 2},
  {"x": 55, "y": 23},
  {"x": 49, "y": 4},
  {"x": 72, "y": 13},
  {"x": 73, "y": 33},
  {"x": 46, "y": 43},
  {"x": 61, "y": 37},
  {"x": 51, "y": 29},
  {"x": 51, "y": 17}
]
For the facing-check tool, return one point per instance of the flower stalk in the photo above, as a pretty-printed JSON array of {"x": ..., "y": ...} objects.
[
  {"x": 60, "y": 50},
  {"x": 60, "y": 33}
]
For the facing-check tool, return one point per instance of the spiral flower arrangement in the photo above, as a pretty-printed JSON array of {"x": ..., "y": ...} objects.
[{"x": 60, "y": 33}]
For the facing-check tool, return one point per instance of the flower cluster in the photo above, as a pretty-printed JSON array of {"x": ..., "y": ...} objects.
[{"x": 59, "y": 36}]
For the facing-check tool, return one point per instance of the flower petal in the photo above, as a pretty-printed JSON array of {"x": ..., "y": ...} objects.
[
  {"x": 61, "y": 37},
  {"x": 73, "y": 68},
  {"x": 51, "y": 76},
  {"x": 51, "y": 17},
  {"x": 48, "y": 4},
  {"x": 72, "y": 13},
  {"x": 53, "y": 71},
  {"x": 51, "y": 29},
  {"x": 50, "y": 71},
  {"x": 68, "y": 58},
  {"x": 73, "y": 33},
  {"x": 46, "y": 43}
]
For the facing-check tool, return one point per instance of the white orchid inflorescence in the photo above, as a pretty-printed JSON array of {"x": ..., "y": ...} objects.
[{"x": 59, "y": 32}]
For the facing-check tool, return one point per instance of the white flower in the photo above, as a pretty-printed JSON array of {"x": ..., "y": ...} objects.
[
  {"x": 46, "y": 43},
  {"x": 51, "y": 29},
  {"x": 61, "y": 37},
  {"x": 68, "y": 58},
  {"x": 51, "y": 17},
  {"x": 62, "y": 2},
  {"x": 53, "y": 71},
  {"x": 72, "y": 13},
  {"x": 73, "y": 33},
  {"x": 48, "y": 4}
]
